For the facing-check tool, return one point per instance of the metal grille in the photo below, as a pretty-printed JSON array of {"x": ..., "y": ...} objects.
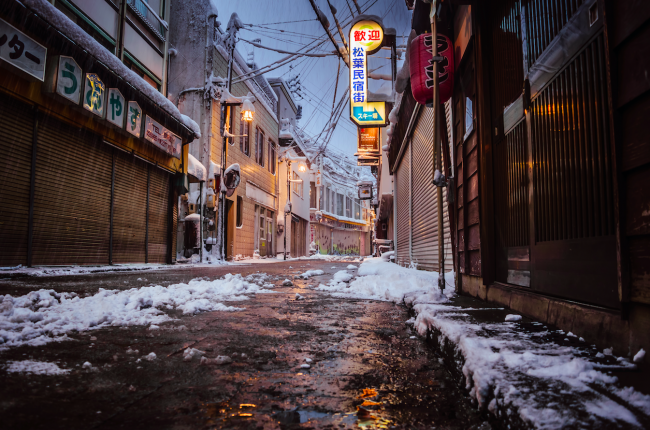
[
  {"x": 573, "y": 172},
  {"x": 17, "y": 123},
  {"x": 424, "y": 194},
  {"x": 508, "y": 53},
  {"x": 402, "y": 200},
  {"x": 511, "y": 188},
  {"x": 544, "y": 20},
  {"x": 130, "y": 209},
  {"x": 158, "y": 215}
]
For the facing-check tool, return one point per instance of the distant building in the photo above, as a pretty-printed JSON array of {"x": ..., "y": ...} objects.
[
  {"x": 197, "y": 79},
  {"x": 341, "y": 223},
  {"x": 92, "y": 147}
]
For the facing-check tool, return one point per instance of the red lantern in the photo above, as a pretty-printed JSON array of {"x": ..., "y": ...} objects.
[{"x": 421, "y": 68}]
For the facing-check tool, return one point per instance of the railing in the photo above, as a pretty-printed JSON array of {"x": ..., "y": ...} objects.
[{"x": 149, "y": 17}]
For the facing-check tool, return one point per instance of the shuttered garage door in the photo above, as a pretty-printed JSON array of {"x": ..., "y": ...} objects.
[
  {"x": 158, "y": 215},
  {"x": 16, "y": 123},
  {"x": 403, "y": 206},
  {"x": 72, "y": 196},
  {"x": 130, "y": 210}
]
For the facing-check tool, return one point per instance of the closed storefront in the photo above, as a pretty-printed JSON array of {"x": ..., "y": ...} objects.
[
  {"x": 403, "y": 207},
  {"x": 16, "y": 122},
  {"x": 130, "y": 210},
  {"x": 72, "y": 196},
  {"x": 425, "y": 202},
  {"x": 88, "y": 158}
]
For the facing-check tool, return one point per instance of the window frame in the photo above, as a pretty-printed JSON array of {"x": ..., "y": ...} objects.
[
  {"x": 273, "y": 158},
  {"x": 297, "y": 187},
  {"x": 239, "y": 211},
  {"x": 259, "y": 146},
  {"x": 245, "y": 142}
]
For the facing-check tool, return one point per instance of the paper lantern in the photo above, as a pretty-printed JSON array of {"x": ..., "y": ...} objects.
[{"x": 421, "y": 68}]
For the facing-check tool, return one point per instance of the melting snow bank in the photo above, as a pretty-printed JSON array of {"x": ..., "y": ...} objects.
[
  {"x": 45, "y": 316},
  {"x": 523, "y": 373},
  {"x": 85, "y": 270}
]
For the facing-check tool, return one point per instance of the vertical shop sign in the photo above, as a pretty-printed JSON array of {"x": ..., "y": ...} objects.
[
  {"x": 366, "y": 37},
  {"x": 116, "y": 107},
  {"x": 134, "y": 119},
  {"x": 94, "y": 94}
]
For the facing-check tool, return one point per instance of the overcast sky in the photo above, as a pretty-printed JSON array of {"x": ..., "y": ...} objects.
[{"x": 318, "y": 75}]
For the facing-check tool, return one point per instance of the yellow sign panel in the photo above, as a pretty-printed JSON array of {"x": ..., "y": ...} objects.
[{"x": 365, "y": 36}]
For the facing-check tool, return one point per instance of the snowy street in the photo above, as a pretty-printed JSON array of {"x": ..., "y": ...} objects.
[
  {"x": 329, "y": 360},
  {"x": 301, "y": 343}
]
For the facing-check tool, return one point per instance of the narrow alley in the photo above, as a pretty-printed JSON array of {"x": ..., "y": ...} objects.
[{"x": 317, "y": 362}]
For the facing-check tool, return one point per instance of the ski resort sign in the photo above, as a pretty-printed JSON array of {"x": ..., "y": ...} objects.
[{"x": 366, "y": 37}]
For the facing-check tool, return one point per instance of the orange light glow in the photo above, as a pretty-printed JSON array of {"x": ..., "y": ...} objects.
[
  {"x": 247, "y": 405},
  {"x": 368, "y": 392}
]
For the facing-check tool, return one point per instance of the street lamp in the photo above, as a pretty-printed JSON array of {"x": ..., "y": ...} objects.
[{"x": 247, "y": 111}]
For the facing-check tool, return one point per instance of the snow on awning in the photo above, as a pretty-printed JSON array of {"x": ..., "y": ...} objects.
[
  {"x": 195, "y": 169},
  {"x": 74, "y": 33}
]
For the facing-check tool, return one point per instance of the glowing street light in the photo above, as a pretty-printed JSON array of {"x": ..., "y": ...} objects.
[{"x": 247, "y": 111}]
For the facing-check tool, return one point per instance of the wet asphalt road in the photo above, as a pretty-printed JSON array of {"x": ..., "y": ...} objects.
[{"x": 366, "y": 370}]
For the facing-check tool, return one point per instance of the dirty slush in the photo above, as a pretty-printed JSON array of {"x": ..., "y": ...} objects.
[{"x": 295, "y": 358}]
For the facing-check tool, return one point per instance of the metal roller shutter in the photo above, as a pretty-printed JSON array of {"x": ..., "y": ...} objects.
[
  {"x": 174, "y": 225},
  {"x": 403, "y": 206},
  {"x": 425, "y": 215},
  {"x": 16, "y": 123},
  {"x": 130, "y": 209},
  {"x": 72, "y": 196},
  {"x": 158, "y": 214}
]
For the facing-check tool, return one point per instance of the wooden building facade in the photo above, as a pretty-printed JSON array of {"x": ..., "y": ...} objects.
[{"x": 552, "y": 162}]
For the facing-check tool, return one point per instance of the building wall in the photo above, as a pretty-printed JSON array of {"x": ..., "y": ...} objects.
[{"x": 244, "y": 240}]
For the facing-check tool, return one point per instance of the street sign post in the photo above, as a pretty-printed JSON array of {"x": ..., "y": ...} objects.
[{"x": 366, "y": 37}]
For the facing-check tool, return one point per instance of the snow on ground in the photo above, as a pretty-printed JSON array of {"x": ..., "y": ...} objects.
[
  {"x": 507, "y": 369},
  {"x": 44, "y": 316},
  {"x": 84, "y": 270},
  {"x": 310, "y": 273},
  {"x": 35, "y": 367}
]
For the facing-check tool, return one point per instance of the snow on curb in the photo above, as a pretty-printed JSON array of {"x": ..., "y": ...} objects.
[
  {"x": 521, "y": 376},
  {"x": 45, "y": 316}
]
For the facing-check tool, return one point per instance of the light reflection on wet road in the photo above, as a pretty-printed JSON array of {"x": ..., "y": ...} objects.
[{"x": 321, "y": 362}]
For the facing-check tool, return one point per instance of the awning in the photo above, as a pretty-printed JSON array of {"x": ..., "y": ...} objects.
[{"x": 196, "y": 172}]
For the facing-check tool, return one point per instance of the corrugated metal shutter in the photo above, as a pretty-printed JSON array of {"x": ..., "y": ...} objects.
[
  {"x": 158, "y": 214},
  {"x": 130, "y": 210},
  {"x": 425, "y": 200},
  {"x": 72, "y": 196},
  {"x": 174, "y": 226},
  {"x": 425, "y": 215},
  {"x": 403, "y": 206},
  {"x": 16, "y": 123}
]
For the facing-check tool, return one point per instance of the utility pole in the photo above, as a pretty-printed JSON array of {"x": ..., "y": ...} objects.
[
  {"x": 286, "y": 227},
  {"x": 433, "y": 18}
]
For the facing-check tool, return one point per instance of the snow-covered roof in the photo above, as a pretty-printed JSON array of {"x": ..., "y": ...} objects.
[
  {"x": 195, "y": 168},
  {"x": 73, "y": 32}
]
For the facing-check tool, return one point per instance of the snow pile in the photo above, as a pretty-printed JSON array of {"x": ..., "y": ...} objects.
[
  {"x": 380, "y": 280},
  {"x": 190, "y": 353},
  {"x": 520, "y": 375},
  {"x": 61, "y": 22},
  {"x": 44, "y": 316},
  {"x": 196, "y": 169},
  {"x": 35, "y": 367},
  {"x": 310, "y": 273}
]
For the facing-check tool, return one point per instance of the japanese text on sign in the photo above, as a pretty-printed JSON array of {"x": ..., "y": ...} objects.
[
  {"x": 22, "y": 51},
  {"x": 162, "y": 138},
  {"x": 365, "y": 36}
]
